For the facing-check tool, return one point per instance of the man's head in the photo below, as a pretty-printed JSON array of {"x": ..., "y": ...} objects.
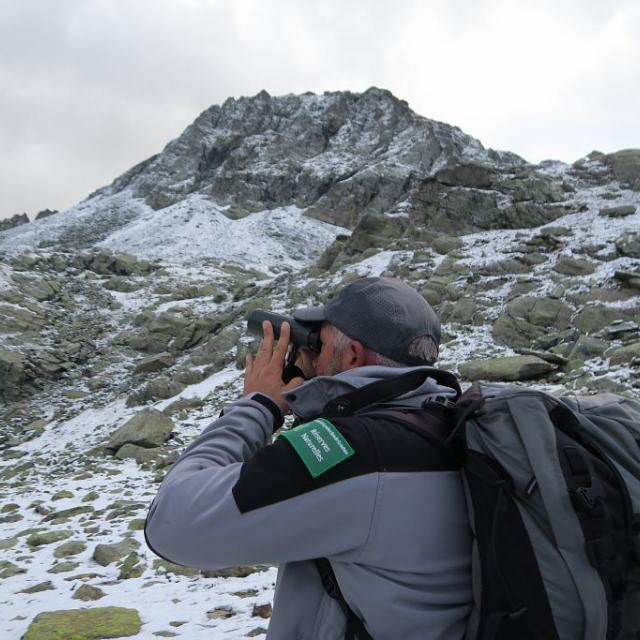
[{"x": 374, "y": 321}]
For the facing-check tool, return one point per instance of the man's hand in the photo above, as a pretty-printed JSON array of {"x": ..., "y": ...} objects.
[{"x": 263, "y": 374}]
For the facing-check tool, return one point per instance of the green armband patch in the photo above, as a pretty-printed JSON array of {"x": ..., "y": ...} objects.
[{"x": 319, "y": 444}]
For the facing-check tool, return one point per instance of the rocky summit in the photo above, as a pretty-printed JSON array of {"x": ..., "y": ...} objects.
[{"x": 122, "y": 327}]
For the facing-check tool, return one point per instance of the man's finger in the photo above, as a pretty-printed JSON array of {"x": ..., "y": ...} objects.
[
  {"x": 283, "y": 342},
  {"x": 266, "y": 345}
]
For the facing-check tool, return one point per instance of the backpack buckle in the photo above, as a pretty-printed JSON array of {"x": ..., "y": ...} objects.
[{"x": 587, "y": 500}]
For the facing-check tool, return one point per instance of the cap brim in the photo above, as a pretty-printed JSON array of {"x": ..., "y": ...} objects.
[{"x": 310, "y": 314}]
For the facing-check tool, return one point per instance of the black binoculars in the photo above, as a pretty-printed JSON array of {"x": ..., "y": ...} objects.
[{"x": 304, "y": 335}]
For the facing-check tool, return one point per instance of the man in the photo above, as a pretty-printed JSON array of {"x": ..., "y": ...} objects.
[{"x": 378, "y": 500}]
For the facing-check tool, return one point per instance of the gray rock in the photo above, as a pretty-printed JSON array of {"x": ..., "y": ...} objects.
[
  {"x": 131, "y": 567},
  {"x": 547, "y": 356},
  {"x": 527, "y": 318},
  {"x": 67, "y": 549},
  {"x": 148, "y": 428},
  {"x": 629, "y": 245},
  {"x": 618, "y": 212},
  {"x": 121, "y": 284},
  {"x": 94, "y": 623},
  {"x": 87, "y": 593},
  {"x": 622, "y": 355},
  {"x": 61, "y": 516},
  {"x": 629, "y": 279},
  {"x": 37, "y": 588},
  {"x": 63, "y": 567},
  {"x": 183, "y": 405},
  {"x": 570, "y": 266},
  {"x": 596, "y": 317},
  {"x": 9, "y": 569},
  {"x": 622, "y": 329},
  {"x": 158, "y": 389},
  {"x": 140, "y": 454},
  {"x": 625, "y": 166},
  {"x": 45, "y": 213},
  {"x": 155, "y": 362},
  {"x": 164, "y": 566},
  {"x": 47, "y": 537},
  {"x": 587, "y": 347},
  {"x": 507, "y": 369},
  {"x": 106, "y": 554},
  {"x": 14, "y": 221},
  {"x": 235, "y": 572},
  {"x": 14, "y": 319}
]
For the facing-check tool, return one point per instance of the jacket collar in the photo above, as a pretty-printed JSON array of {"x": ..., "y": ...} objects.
[{"x": 308, "y": 400}]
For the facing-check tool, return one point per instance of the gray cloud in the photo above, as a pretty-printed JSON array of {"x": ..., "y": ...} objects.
[{"x": 90, "y": 87}]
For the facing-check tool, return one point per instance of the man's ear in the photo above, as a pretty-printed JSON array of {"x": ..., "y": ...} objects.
[{"x": 355, "y": 355}]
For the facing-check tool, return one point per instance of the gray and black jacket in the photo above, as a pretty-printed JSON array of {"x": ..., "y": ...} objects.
[{"x": 391, "y": 518}]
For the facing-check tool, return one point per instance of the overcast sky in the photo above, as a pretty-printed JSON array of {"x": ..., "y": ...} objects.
[{"x": 89, "y": 88}]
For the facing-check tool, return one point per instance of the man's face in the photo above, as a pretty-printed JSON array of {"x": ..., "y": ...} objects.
[
  {"x": 326, "y": 363},
  {"x": 331, "y": 360}
]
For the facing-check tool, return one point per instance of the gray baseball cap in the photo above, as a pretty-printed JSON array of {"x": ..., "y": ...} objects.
[{"x": 384, "y": 314}]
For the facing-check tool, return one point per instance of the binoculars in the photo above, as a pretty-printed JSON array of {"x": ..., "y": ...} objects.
[{"x": 303, "y": 334}]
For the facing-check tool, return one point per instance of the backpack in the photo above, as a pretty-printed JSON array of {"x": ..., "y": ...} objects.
[{"x": 553, "y": 495}]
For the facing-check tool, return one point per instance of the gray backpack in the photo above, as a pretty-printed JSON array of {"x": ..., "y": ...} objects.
[{"x": 553, "y": 492}]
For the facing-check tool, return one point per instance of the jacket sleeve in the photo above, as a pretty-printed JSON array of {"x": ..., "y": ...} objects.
[{"x": 232, "y": 498}]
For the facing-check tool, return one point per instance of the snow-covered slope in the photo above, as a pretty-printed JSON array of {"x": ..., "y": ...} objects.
[{"x": 543, "y": 261}]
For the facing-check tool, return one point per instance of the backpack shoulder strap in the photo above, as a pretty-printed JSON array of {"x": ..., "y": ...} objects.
[
  {"x": 355, "y": 627},
  {"x": 432, "y": 422}
]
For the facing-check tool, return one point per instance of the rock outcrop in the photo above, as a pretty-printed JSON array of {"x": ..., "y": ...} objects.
[{"x": 14, "y": 221}]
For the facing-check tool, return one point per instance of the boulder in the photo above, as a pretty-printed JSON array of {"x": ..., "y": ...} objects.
[
  {"x": 86, "y": 593},
  {"x": 47, "y": 537},
  {"x": 37, "y": 588},
  {"x": 67, "y": 549},
  {"x": 158, "y": 389},
  {"x": 140, "y": 454},
  {"x": 131, "y": 567},
  {"x": 625, "y": 166},
  {"x": 570, "y": 266},
  {"x": 630, "y": 279},
  {"x": 148, "y": 428},
  {"x": 95, "y": 623},
  {"x": 629, "y": 245},
  {"x": 14, "y": 221},
  {"x": 155, "y": 362},
  {"x": 527, "y": 318},
  {"x": 121, "y": 284},
  {"x": 587, "y": 347},
  {"x": 241, "y": 571},
  {"x": 14, "y": 319},
  {"x": 9, "y": 569},
  {"x": 13, "y": 373},
  {"x": 465, "y": 311},
  {"x": 618, "y": 212},
  {"x": 106, "y": 554},
  {"x": 596, "y": 317},
  {"x": 622, "y": 355},
  {"x": 215, "y": 351},
  {"x": 506, "y": 369},
  {"x": 45, "y": 213},
  {"x": 41, "y": 289},
  {"x": 468, "y": 175}
]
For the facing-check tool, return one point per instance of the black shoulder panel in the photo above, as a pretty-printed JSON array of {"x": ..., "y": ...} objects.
[{"x": 277, "y": 473}]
